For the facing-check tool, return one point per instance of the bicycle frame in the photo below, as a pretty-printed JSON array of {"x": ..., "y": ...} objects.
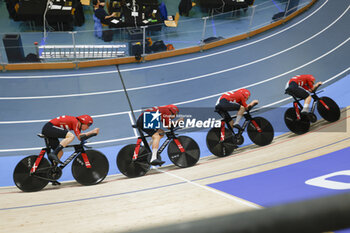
[
  {"x": 297, "y": 104},
  {"x": 170, "y": 136},
  {"x": 247, "y": 117},
  {"x": 79, "y": 149}
]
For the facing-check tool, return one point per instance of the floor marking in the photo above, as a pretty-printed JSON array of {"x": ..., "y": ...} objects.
[
  {"x": 89, "y": 198},
  {"x": 223, "y": 194}
]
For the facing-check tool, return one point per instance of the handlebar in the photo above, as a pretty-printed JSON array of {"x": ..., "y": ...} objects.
[
  {"x": 250, "y": 107},
  {"x": 314, "y": 91},
  {"x": 84, "y": 137},
  {"x": 171, "y": 130}
]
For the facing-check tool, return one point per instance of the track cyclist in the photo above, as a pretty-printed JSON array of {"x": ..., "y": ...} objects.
[
  {"x": 301, "y": 86},
  {"x": 234, "y": 101},
  {"x": 166, "y": 113},
  {"x": 59, "y": 128}
]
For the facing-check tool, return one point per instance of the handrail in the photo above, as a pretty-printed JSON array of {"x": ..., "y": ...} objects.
[{"x": 155, "y": 56}]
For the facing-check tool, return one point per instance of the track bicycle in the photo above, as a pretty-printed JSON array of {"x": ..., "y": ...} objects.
[
  {"x": 299, "y": 122},
  {"x": 34, "y": 172},
  {"x": 133, "y": 160},
  {"x": 222, "y": 141}
]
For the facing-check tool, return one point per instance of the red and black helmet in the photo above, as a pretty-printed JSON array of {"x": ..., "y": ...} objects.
[
  {"x": 245, "y": 93},
  {"x": 173, "y": 109},
  {"x": 85, "y": 119},
  {"x": 312, "y": 79}
]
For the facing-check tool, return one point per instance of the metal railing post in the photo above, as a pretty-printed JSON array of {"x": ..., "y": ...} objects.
[
  {"x": 143, "y": 40},
  {"x": 251, "y": 20},
  {"x": 2, "y": 63},
  {"x": 287, "y": 7},
  {"x": 204, "y": 29},
  {"x": 74, "y": 47}
]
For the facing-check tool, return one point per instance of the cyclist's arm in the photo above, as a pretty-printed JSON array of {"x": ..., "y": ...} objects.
[
  {"x": 94, "y": 131},
  {"x": 254, "y": 102},
  {"x": 317, "y": 85}
]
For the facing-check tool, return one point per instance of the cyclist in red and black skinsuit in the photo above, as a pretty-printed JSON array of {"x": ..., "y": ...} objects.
[
  {"x": 234, "y": 101},
  {"x": 59, "y": 128},
  {"x": 167, "y": 113},
  {"x": 301, "y": 86}
]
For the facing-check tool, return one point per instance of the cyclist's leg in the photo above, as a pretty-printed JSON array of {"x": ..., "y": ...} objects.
[
  {"x": 301, "y": 93},
  {"x": 240, "y": 114},
  {"x": 305, "y": 95},
  {"x": 53, "y": 133},
  {"x": 65, "y": 142},
  {"x": 156, "y": 136},
  {"x": 225, "y": 106},
  {"x": 155, "y": 143},
  {"x": 307, "y": 102}
]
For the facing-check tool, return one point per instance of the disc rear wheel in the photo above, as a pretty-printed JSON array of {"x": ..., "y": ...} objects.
[
  {"x": 217, "y": 147},
  {"x": 296, "y": 126},
  {"x": 133, "y": 168},
  {"x": 31, "y": 182}
]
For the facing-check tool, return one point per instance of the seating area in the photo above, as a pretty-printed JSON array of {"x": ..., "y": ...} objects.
[
  {"x": 166, "y": 21},
  {"x": 60, "y": 15}
]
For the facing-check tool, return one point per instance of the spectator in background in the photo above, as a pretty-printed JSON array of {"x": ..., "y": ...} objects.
[
  {"x": 101, "y": 14},
  {"x": 184, "y": 7}
]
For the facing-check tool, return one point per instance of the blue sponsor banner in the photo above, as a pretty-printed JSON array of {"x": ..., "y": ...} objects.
[{"x": 325, "y": 175}]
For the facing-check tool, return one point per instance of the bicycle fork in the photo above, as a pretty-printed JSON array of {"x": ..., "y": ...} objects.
[{"x": 324, "y": 104}]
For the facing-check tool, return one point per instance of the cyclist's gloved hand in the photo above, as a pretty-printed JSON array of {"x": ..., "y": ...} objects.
[{"x": 83, "y": 137}]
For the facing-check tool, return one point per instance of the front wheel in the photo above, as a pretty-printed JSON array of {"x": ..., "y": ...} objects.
[
  {"x": 296, "y": 126},
  {"x": 260, "y": 131},
  {"x": 90, "y": 175},
  {"x": 328, "y": 109},
  {"x": 191, "y": 153},
  {"x": 133, "y": 168},
  {"x": 31, "y": 182},
  {"x": 217, "y": 147}
]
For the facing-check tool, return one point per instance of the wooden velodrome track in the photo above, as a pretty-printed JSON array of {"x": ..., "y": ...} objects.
[{"x": 164, "y": 196}]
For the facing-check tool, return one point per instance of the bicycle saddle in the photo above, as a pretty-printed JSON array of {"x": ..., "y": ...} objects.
[
  {"x": 41, "y": 135},
  {"x": 288, "y": 92}
]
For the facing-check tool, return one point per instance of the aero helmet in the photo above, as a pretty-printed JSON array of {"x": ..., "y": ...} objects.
[
  {"x": 245, "y": 93},
  {"x": 85, "y": 119},
  {"x": 312, "y": 78},
  {"x": 173, "y": 109}
]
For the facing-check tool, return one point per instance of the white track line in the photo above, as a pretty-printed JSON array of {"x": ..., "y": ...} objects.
[
  {"x": 133, "y": 137},
  {"x": 225, "y": 195},
  {"x": 170, "y": 63}
]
